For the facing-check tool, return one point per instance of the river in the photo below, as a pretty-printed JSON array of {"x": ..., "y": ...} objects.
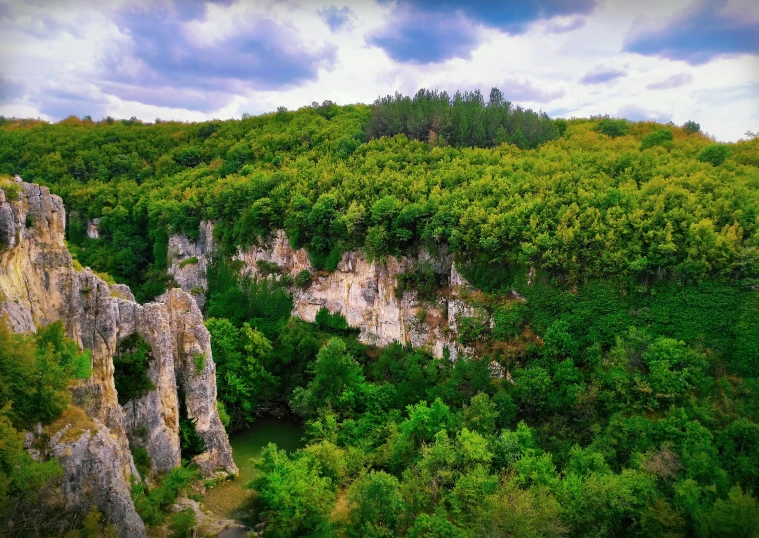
[{"x": 230, "y": 498}]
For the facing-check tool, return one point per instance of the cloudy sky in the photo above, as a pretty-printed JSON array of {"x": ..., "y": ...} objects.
[{"x": 195, "y": 60}]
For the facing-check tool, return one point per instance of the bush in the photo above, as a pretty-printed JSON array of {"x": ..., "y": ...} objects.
[
  {"x": 508, "y": 320},
  {"x": 151, "y": 504},
  {"x": 200, "y": 362},
  {"x": 130, "y": 368},
  {"x": 189, "y": 261},
  {"x": 189, "y": 440},
  {"x": 35, "y": 371},
  {"x": 267, "y": 268},
  {"x": 142, "y": 461},
  {"x": 12, "y": 190},
  {"x": 613, "y": 128},
  {"x": 181, "y": 523},
  {"x": 303, "y": 279},
  {"x": 423, "y": 280},
  {"x": 691, "y": 127},
  {"x": 327, "y": 321},
  {"x": 661, "y": 137},
  {"x": 715, "y": 154}
]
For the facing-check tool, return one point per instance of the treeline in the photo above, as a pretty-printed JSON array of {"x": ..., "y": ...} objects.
[
  {"x": 464, "y": 120},
  {"x": 638, "y": 201}
]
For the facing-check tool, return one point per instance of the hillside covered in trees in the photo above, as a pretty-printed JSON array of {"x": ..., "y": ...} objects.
[{"x": 632, "y": 402}]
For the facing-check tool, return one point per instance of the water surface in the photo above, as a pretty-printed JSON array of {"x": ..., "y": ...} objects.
[{"x": 230, "y": 498}]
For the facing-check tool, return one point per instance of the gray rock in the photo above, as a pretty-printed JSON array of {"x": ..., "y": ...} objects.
[
  {"x": 38, "y": 286},
  {"x": 364, "y": 292}
]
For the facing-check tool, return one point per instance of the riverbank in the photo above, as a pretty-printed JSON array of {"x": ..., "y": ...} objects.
[{"x": 231, "y": 499}]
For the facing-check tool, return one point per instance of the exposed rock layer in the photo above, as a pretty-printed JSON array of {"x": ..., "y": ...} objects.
[
  {"x": 365, "y": 293},
  {"x": 188, "y": 261},
  {"x": 38, "y": 286}
]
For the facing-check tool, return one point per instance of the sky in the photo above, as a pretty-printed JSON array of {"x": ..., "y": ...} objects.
[{"x": 194, "y": 60}]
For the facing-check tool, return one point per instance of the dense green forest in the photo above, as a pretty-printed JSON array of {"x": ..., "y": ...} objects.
[{"x": 632, "y": 402}]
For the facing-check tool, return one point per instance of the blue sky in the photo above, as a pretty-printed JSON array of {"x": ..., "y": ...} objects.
[{"x": 669, "y": 60}]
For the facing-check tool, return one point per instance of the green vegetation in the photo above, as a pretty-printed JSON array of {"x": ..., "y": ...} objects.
[
  {"x": 618, "y": 262},
  {"x": 714, "y": 154},
  {"x": 142, "y": 461},
  {"x": 34, "y": 373},
  {"x": 130, "y": 368},
  {"x": 181, "y": 523},
  {"x": 11, "y": 188},
  {"x": 613, "y": 128},
  {"x": 189, "y": 261},
  {"x": 199, "y": 359},
  {"x": 303, "y": 279},
  {"x": 461, "y": 120},
  {"x": 423, "y": 280},
  {"x": 152, "y": 503}
]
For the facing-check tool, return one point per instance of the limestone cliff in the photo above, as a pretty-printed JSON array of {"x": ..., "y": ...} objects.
[
  {"x": 188, "y": 261},
  {"x": 39, "y": 285},
  {"x": 365, "y": 293}
]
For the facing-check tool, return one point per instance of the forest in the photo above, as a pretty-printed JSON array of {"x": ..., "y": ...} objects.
[{"x": 618, "y": 260}]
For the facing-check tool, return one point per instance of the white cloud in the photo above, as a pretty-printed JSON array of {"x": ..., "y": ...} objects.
[{"x": 62, "y": 49}]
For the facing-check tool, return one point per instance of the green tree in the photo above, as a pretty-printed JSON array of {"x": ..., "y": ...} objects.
[
  {"x": 376, "y": 504},
  {"x": 714, "y": 154},
  {"x": 337, "y": 377},
  {"x": 35, "y": 372},
  {"x": 294, "y": 499},
  {"x": 691, "y": 127}
]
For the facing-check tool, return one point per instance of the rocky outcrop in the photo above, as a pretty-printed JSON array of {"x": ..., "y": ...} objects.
[
  {"x": 188, "y": 261},
  {"x": 365, "y": 293},
  {"x": 39, "y": 285},
  {"x": 93, "y": 229},
  {"x": 93, "y": 462}
]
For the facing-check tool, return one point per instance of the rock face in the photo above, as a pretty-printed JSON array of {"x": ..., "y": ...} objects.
[
  {"x": 39, "y": 285},
  {"x": 93, "y": 229},
  {"x": 93, "y": 465},
  {"x": 364, "y": 292},
  {"x": 188, "y": 261}
]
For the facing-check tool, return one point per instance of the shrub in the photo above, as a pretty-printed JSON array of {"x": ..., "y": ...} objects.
[
  {"x": 189, "y": 440},
  {"x": 108, "y": 279},
  {"x": 197, "y": 290},
  {"x": 151, "y": 504},
  {"x": 715, "y": 154},
  {"x": 423, "y": 280},
  {"x": 661, "y": 137},
  {"x": 142, "y": 461},
  {"x": 327, "y": 321},
  {"x": 189, "y": 261},
  {"x": 303, "y": 279},
  {"x": 181, "y": 523},
  {"x": 508, "y": 320},
  {"x": 267, "y": 268},
  {"x": 691, "y": 127},
  {"x": 130, "y": 368},
  {"x": 35, "y": 371},
  {"x": 613, "y": 128},
  {"x": 286, "y": 281},
  {"x": 200, "y": 362},
  {"x": 12, "y": 190}
]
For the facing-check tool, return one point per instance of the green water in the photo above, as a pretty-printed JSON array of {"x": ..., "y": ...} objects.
[{"x": 230, "y": 498}]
